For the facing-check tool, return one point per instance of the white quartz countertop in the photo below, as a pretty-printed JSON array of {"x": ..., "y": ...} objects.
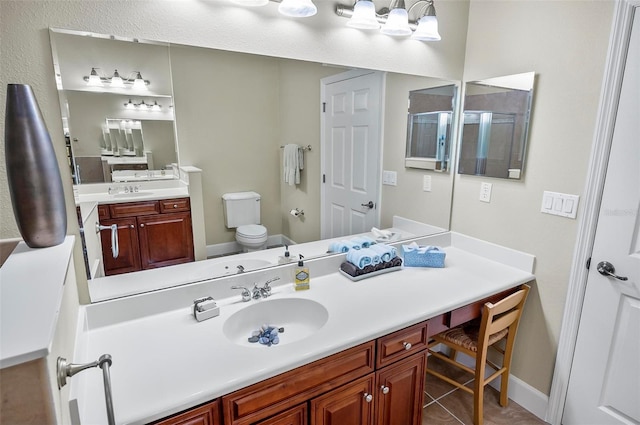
[
  {"x": 31, "y": 288},
  {"x": 164, "y": 361},
  {"x": 142, "y": 195}
]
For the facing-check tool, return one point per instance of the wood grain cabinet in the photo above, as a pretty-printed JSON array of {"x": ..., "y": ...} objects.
[
  {"x": 150, "y": 234},
  {"x": 207, "y": 414}
]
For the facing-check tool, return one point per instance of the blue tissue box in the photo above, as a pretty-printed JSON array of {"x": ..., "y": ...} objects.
[{"x": 420, "y": 257}]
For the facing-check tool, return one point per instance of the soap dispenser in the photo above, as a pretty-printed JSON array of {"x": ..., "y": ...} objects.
[
  {"x": 286, "y": 258},
  {"x": 301, "y": 276}
]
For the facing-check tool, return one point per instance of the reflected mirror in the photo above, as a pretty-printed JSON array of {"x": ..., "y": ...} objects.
[
  {"x": 230, "y": 114},
  {"x": 429, "y": 125},
  {"x": 105, "y": 117},
  {"x": 495, "y": 125}
]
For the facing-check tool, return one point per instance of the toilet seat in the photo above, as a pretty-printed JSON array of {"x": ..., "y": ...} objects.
[
  {"x": 251, "y": 236},
  {"x": 252, "y": 231}
]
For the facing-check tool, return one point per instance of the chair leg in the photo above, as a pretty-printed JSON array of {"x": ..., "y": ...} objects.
[
  {"x": 453, "y": 354},
  {"x": 478, "y": 401},
  {"x": 504, "y": 388}
]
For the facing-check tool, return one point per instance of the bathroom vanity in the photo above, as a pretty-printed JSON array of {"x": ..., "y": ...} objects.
[
  {"x": 349, "y": 348},
  {"x": 151, "y": 234}
]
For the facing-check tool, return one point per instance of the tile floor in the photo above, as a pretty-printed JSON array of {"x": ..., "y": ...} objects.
[{"x": 448, "y": 405}]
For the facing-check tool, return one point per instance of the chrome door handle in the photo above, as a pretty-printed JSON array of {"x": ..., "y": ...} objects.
[
  {"x": 605, "y": 268},
  {"x": 115, "y": 247},
  {"x": 369, "y": 204}
]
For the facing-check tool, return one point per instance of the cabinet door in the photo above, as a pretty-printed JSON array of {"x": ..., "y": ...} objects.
[
  {"x": 128, "y": 259},
  {"x": 165, "y": 239},
  {"x": 295, "y": 416},
  {"x": 351, "y": 404},
  {"x": 208, "y": 414},
  {"x": 400, "y": 392}
]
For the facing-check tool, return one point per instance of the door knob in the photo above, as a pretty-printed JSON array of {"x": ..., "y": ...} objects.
[
  {"x": 369, "y": 204},
  {"x": 605, "y": 268},
  {"x": 368, "y": 397}
]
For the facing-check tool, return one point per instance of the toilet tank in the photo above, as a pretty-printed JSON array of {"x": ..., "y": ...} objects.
[{"x": 241, "y": 208}]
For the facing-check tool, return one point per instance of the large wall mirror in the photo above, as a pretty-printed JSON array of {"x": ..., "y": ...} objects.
[
  {"x": 495, "y": 126},
  {"x": 229, "y": 114}
]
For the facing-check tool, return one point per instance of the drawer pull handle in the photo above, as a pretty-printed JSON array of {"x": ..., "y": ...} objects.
[
  {"x": 407, "y": 345},
  {"x": 385, "y": 389},
  {"x": 368, "y": 397}
]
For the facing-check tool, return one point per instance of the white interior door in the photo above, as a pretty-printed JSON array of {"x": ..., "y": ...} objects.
[
  {"x": 604, "y": 386},
  {"x": 351, "y": 150}
]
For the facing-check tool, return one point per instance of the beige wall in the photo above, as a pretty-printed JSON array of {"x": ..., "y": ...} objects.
[{"x": 565, "y": 43}]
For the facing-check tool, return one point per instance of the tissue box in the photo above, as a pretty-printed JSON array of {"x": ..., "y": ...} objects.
[{"x": 423, "y": 256}]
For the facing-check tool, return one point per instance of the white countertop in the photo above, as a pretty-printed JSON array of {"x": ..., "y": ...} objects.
[
  {"x": 31, "y": 288},
  {"x": 164, "y": 361}
]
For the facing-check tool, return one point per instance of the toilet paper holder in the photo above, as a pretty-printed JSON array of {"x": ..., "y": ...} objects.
[{"x": 296, "y": 212}]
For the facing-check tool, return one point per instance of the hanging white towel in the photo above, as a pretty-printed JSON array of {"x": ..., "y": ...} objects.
[{"x": 291, "y": 161}]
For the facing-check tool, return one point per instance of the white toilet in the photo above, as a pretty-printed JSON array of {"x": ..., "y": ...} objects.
[{"x": 242, "y": 212}]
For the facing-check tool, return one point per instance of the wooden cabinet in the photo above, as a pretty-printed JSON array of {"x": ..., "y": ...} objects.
[
  {"x": 380, "y": 382},
  {"x": 150, "y": 234},
  {"x": 207, "y": 414}
]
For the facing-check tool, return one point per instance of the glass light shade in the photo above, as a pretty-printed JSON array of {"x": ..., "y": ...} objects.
[
  {"x": 297, "y": 8},
  {"x": 155, "y": 106},
  {"x": 116, "y": 80},
  {"x": 364, "y": 16},
  {"x": 427, "y": 29},
  {"x": 251, "y": 3},
  {"x": 139, "y": 83},
  {"x": 94, "y": 79},
  {"x": 129, "y": 105},
  {"x": 397, "y": 23}
]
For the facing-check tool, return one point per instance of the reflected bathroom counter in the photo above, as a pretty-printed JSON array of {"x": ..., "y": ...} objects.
[
  {"x": 111, "y": 287},
  {"x": 121, "y": 191}
]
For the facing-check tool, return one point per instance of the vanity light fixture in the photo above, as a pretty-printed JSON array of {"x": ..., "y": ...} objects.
[
  {"x": 143, "y": 105},
  {"x": 395, "y": 19},
  {"x": 292, "y": 8},
  {"x": 134, "y": 80}
]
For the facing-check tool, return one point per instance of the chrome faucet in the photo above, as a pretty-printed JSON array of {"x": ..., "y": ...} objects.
[
  {"x": 240, "y": 269},
  {"x": 246, "y": 294},
  {"x": 265, "y": 291}
]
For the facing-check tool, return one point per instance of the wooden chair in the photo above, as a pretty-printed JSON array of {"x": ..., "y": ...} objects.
[{"x": 498, "y": 321}]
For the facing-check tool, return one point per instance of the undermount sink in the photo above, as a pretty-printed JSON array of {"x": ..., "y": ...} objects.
[
  {"x": 299, "y": 317},
  {"x": 132, "y": 194}
]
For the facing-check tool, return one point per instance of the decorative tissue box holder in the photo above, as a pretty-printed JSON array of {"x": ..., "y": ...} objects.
[{"x": 423, "y": 256}]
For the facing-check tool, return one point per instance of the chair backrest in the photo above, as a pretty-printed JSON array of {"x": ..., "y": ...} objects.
[{"x": 503, "y": 314}]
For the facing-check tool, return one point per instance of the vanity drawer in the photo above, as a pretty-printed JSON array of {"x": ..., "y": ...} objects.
[
  {"x": 252, "y": 404},
  {"x": 133, "y": 209},
  {"x": 438, "y": 324},
  {"x": 174, "y": 205},
  {"x": 474, "y": 310},
  {"x": 401, "y": 344}
]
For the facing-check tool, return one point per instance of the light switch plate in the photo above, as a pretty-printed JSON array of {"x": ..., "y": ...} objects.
[
  {"x": 485, "y": 192},
  {"x": 390, "y": 178},
  {"x": 426, "y": 183},
  {"x": 561, "y": 204}
]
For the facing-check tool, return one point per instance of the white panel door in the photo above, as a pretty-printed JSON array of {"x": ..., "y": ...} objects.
[
  {"x": 351, "y": 148},
  {"x": 604, "y": 386}
]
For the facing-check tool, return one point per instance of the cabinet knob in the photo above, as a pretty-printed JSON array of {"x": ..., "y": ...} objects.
[
  {"x": 368, "y": 397},
  {"x": 175, "y": 205},
  {"x": 407, "y": 345},
  {"x": 132, "y": 226},
  {"x": 385, "y": 389},
  {"x": 141, "y": 225}
]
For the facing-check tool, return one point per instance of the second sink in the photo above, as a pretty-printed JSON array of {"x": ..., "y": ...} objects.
[{"x": 299, "y": 317}]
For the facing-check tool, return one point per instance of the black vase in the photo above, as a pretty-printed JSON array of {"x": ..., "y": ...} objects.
[{"x": 33, "y": 175}]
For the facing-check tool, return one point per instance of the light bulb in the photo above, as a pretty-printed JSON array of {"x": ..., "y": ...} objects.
[
  {"x": 364, "y": 16},
  {"x": 116, "y": 80},
  {"x": 297, "y": 8},
  {"x": 397, "y": 23},
  {"x": 427, "y": 29}
]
